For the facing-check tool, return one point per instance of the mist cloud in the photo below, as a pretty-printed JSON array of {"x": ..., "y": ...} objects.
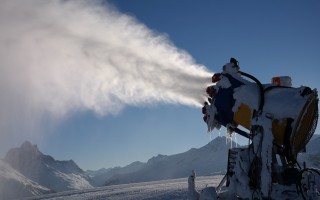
[{"x": 60, "y": 57}]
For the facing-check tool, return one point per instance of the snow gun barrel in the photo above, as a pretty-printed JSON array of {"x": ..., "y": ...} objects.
[{"x": 234, "y": 101}]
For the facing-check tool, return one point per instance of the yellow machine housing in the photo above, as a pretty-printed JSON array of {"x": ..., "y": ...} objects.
[{"x": 296, "y": 129}]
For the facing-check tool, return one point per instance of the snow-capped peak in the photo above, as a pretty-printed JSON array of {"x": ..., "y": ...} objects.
[
  {"x": 28, "y": 148},
  {"x": 45, "y": 170},
  {"x": 157, "y": 158}
]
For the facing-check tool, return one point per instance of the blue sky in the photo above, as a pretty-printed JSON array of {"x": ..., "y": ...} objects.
[{"x": 269, "y": 38}]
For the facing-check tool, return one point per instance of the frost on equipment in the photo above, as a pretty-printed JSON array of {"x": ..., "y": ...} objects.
[{"x": 279, "y": 120}]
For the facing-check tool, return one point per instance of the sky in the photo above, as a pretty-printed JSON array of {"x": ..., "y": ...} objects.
[{"x": 268, "y": 38}]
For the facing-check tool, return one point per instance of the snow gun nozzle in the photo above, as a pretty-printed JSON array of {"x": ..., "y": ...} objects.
[
  {"x": 204, "y": 109},
  {"x": 211, "y": 91},
  {"x": 205, "y": 118},
  {"x": 216, "y": 77}
]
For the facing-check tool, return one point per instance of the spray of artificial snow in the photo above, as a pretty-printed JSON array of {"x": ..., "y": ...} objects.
[{"x": 57, "y": 57}]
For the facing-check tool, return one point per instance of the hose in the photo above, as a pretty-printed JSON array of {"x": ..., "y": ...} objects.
[{"x": 261, "y": 103}]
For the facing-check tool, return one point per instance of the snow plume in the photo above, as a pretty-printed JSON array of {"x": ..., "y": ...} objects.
[{"x": 61, "y": 56}]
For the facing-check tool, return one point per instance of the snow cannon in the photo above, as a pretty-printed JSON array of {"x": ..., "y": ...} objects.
[{"x": 237, "y": 98}]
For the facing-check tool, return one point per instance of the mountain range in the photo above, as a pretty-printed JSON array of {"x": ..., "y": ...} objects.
[
  {"x": 99, "y": 177},
  {"x": 25, "y": 171},
  {"x": 44, "y": 170},
  {"x": 207, "y": 160}
]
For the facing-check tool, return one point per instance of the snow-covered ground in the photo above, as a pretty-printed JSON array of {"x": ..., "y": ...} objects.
[{"x": 173, "y": 189}]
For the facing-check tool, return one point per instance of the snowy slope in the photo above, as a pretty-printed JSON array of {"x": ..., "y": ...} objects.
[
  {"x": 45, "y": 170},
  {"x": 175, "y": 189},
  {"x": 14, "y": 185},
  {"x": 207, "y": 160}
]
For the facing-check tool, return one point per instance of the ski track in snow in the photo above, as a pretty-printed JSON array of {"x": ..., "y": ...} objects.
[{"x": 174, "y": 189}]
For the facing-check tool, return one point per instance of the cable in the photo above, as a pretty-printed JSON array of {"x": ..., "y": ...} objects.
[{"x": 261, "y": 104}]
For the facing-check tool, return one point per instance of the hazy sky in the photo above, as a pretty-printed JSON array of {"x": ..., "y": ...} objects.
[{"x": 269, "y": 38}]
